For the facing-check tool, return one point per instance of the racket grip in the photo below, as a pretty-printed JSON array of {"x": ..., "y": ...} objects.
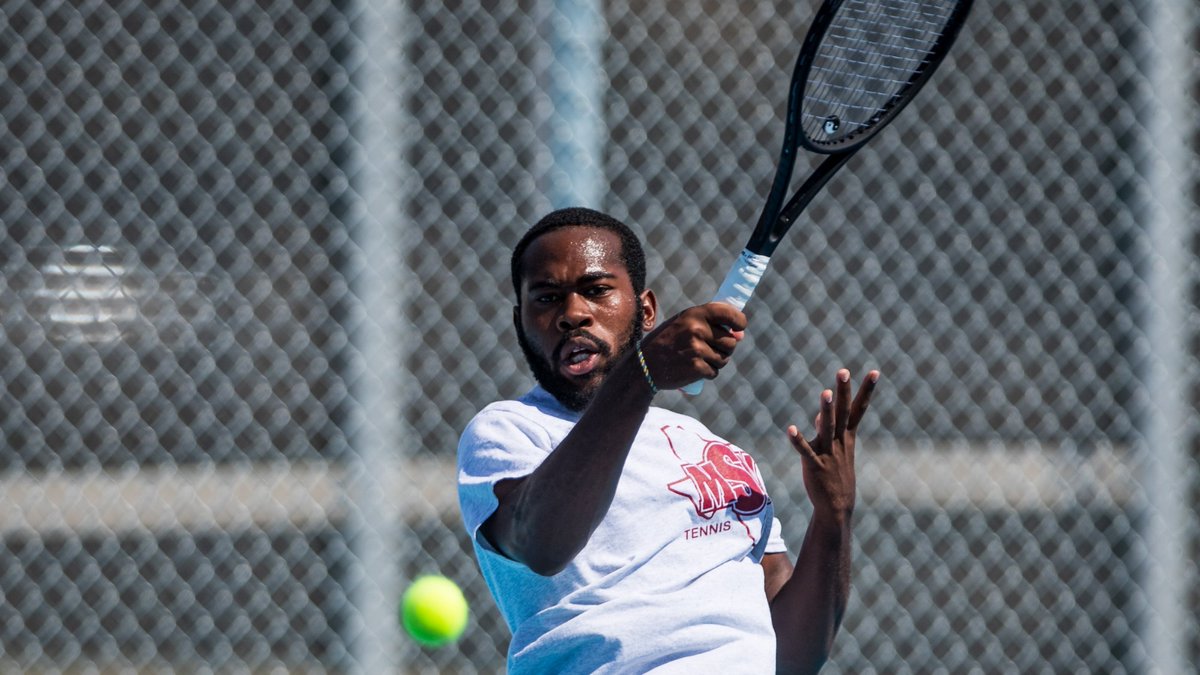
[{"x": 736, "y": 290}]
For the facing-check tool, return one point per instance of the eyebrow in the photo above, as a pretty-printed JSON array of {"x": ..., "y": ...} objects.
[{"x": 588, "y": 278}]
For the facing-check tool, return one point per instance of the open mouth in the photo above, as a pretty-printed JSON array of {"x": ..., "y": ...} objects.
[{"x": 578, "y": 357}]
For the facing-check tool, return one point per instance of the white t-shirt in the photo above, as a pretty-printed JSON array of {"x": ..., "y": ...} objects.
[{"x": 670, "y": 581}]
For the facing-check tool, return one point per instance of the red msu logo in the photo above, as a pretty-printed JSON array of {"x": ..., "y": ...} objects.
[{"x": 725, "y": 477}]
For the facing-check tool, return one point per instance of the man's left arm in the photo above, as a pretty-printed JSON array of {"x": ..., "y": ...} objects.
[{"x": 809, "y": 599}]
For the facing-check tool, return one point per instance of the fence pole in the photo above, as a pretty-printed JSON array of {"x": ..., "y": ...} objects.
[
  {"x": 1169, "y": 575},
  {"x": 380, "y": 177},
  {"x": 576, "y": 88}
]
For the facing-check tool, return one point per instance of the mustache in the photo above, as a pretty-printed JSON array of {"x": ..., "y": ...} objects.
[{"x": 601, "y": 347}]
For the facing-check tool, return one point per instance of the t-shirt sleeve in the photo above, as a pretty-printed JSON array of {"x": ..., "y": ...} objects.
[
  {"x": 775, "y": 542},
  {"x": 496, "y": 445}
]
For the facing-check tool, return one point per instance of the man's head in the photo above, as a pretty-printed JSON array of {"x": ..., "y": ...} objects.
[
  {"x": 632, "y": 255},
  {"x": 579, "y": 278}
]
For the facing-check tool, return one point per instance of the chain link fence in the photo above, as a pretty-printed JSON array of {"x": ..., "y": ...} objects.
[{"x": 190, "y": 289}]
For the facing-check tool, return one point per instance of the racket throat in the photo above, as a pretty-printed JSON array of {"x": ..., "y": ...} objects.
[{"x": 773, "y": 225}]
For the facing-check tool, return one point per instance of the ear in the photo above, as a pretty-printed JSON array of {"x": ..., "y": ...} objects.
[{"x": 649, "y": 310}]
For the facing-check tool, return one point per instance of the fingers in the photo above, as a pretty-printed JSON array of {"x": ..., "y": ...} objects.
[
  {"x": 694, "y": 344},
  {"x": 799, "y": 443},
  {"x": 838, "y": 413},
  {"x": 841, "y": 401},
  {"x": 724, "y": 318},
  {"x": 825, "y": 423},
  {"x": 725, "y": 340},
  {"x": 859, "y": 407},
  {"x": 726, "y": 328}
]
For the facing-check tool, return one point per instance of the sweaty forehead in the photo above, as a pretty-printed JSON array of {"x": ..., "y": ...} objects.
[{"x": 569, "y": 253}]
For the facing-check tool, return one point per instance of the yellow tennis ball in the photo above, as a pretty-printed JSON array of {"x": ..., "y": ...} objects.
[{"x": 434, "y": 611}]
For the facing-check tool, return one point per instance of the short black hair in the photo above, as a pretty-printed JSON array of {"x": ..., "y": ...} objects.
[{"x": 632, "y": 254}]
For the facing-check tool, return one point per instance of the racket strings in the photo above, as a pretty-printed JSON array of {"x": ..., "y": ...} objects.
[{"x": 868, "y": 56}]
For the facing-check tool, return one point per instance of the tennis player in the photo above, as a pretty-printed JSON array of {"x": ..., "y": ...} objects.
[{"x": 619, "y": 537}]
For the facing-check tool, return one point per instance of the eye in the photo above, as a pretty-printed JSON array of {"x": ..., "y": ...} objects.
[
  {"x": 546, "y": 298},
  {"x": 597, "y": 291}
]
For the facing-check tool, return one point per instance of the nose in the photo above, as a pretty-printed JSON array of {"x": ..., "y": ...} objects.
[{"x": 576, "y": 313}]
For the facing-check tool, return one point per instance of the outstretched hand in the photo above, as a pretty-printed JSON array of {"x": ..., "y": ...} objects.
[{"x": 828, "y": 459}]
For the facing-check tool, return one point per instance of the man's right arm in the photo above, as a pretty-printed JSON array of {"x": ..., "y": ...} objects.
[{"x": 546, "y": 517}]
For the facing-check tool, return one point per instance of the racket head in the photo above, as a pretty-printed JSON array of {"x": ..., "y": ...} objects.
[{"x": 862, "y": 62}]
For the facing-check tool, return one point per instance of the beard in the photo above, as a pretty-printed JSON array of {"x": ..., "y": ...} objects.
[{"x": 573, "y": 395}]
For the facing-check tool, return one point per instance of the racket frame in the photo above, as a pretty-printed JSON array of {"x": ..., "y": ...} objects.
[{"x": 778, "y": 217}]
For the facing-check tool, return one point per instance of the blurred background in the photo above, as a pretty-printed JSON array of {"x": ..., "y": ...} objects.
[{"x": 255, "y": 282}]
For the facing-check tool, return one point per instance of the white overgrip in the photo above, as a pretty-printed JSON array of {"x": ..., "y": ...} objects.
[
  {"x": 736, "y": 290},
  {"x": 741, "y": 281}
]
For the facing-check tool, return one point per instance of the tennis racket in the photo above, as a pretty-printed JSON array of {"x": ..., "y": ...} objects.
[{"x": 862, "y": 61}]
